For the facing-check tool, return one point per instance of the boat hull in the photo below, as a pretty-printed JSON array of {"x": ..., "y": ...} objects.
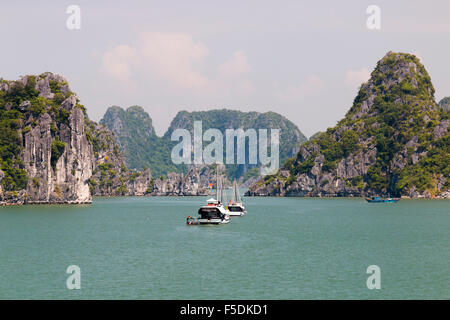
[
  {"x": 237, "y": 213},
  {"x": 214, "y": 221}
]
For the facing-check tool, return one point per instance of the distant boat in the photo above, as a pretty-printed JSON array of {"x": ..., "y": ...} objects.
[
  {"x": 377, "y": 199},
  {"x": 235, "y": 205}
]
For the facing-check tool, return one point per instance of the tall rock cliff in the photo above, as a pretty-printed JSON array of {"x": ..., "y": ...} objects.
[
  {"x": 45, "y": 154},
  {"x": 394, "y": 141}
]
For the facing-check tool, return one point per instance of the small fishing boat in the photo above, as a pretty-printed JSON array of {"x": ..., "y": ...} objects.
[
  {"x": 191, "y": 221},
  {"x": 235, "y": 205},
  {"x": 377, "y": 199}
]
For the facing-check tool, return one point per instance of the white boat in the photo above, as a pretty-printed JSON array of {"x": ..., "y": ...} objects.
[
  {"x": 235, "y": 207},
  {"x": 214, "y": 212}
]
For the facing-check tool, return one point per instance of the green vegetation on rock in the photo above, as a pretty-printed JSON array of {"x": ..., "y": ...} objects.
[{"x": 57, "y": 149}]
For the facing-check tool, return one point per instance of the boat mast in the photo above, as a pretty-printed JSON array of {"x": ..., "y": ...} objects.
[
  {"x": 217, "y": 182},
  {"x": 221, "y": 189},
  {"x": 233, "y": 194},
  {"x": 236, "y": 192}
]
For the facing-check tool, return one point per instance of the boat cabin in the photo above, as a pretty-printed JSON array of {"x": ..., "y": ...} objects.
[
  {"x": 236, "y": 208},
  {"x": 210, "y": 213}
]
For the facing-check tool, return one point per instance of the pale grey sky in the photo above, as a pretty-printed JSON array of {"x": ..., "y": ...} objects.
[{"x": 303, "y": 59}]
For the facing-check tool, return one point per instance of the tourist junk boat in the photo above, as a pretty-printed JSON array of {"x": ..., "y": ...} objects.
[
  {"x": 235, "y": 205},
  {"x": 377, "y": 199},
  {"x": 214, "y": 211}
]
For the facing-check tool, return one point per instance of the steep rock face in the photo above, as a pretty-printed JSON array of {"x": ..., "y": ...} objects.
[
  {"x": 110, "y": 176},
  {"x": 196, "y": 182},
  {"x": 53, "y": 152},
  {"x": 179, "y": 184},
  {"x": 393, "y": 141},
  {"x": 142, "y": 184},
  {"x": 66, "y": 181}
]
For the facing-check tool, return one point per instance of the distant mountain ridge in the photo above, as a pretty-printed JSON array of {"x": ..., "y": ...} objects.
[{"x": 143, "y": 148}]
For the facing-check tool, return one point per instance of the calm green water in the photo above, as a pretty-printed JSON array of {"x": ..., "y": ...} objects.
[{"x": 293, "y": 248}]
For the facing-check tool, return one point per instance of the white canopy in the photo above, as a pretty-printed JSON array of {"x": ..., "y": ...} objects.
[{"x": 212, "y": 200}]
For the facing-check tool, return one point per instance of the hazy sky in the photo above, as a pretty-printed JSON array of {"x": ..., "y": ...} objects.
[{"x": 303, "y": 59}]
